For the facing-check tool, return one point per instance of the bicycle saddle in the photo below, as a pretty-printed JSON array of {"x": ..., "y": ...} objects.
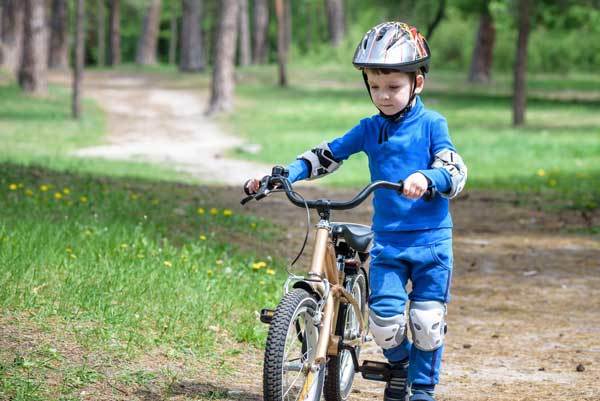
[{"x": 358, "y": 236}]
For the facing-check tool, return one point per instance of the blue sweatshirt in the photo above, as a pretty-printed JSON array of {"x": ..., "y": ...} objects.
[{"x": 406, "y": 147}]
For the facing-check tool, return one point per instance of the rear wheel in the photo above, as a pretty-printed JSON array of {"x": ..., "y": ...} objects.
[
  {"x": 289, "y": 372},
  {"x": 340, "y": 369}
]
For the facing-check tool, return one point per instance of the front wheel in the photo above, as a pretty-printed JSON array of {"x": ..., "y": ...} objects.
[
  {"x": 340, "y": 368},
  {"x": 289, "y": 372}
]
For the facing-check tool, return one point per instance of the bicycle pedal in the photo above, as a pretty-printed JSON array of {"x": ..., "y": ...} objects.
[
  {"x": 266, "y": 315},
  {"x": 374, "y": 370}
]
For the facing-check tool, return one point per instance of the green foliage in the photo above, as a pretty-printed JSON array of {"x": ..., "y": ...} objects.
[{"x": 558, "y": 31}]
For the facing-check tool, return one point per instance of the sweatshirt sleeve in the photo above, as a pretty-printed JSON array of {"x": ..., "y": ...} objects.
[
  {"x": 341, "y": 148},
  {"x": 440, "y": 140}
]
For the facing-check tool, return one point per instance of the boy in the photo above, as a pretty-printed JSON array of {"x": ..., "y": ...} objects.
[{"x": 413, "y": 237}]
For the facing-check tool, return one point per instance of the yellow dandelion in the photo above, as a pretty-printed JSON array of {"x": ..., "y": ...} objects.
[
  {"x": 258, "y": 265},
  {"x": 167, "y": 263},
  {"x": 203, "y": 238},
  {"x": 270, "y": 272},
  {"x": 13, "y": 187},
  {"x": 200, "y": 210},
  {"x": 58, "y": 195},
  {"x": 83, "y": 199},
  {"x": 214, "y": 211},
  {"x": 552, "y": 182},
  {"x": 209, "y": 273},
  {"x": 227, "y": 212},
  {"x": 541, "y": 172},
  {"x": 66, "y": 191},
  {"x": 219, "y": 262},
  {"x": 253, "y": 225},
  {"x": 29, "y": 192},
  {"x": 44, "y": 188}
]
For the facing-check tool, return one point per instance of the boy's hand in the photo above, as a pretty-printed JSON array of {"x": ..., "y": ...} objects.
[
  {"x": 251, "y": 186},
  {"x": 415, "y": 186}
]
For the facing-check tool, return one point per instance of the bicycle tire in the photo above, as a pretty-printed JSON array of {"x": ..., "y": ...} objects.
[
  {"x": 338, "y": 382},
  {"x": 283, "y": 327}
]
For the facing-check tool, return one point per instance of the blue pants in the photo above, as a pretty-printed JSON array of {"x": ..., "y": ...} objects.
[{"x": 428, "y": 265}]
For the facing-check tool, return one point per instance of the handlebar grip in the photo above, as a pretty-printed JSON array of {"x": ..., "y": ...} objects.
[
  {"x": 246, "y": 199},
  {"x": 429, "y": 194}
]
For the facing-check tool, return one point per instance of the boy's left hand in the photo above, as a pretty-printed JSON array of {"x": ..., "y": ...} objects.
[{"x": 415, "y": 186}]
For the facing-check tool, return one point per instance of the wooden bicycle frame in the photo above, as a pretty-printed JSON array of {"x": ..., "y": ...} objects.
[{"x": 324, "y": 266}]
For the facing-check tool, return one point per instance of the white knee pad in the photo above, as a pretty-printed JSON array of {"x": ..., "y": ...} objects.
[
  {"x": 427, "y": 324},
  {"x": 388, "y": 332}
]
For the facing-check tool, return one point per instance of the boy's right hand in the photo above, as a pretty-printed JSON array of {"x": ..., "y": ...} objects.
[{"x": 251, "y": 186}]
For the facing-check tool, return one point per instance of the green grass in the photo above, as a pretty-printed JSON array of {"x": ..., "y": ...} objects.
[
  {"x": 131, "y": 264},
  {"x": 556, "y": 154}
]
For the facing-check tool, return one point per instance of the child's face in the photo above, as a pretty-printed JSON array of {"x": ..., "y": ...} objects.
[{"x": 390, "y": 92}]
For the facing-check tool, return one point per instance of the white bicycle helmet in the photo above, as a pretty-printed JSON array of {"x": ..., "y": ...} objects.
[{"x": 393, "y": 45}]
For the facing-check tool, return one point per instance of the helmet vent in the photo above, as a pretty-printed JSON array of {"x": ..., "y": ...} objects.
[{"x": 381, "y": 34}]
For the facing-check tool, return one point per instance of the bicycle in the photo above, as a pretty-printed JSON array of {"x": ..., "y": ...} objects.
[{"x": 320, "y": 324}]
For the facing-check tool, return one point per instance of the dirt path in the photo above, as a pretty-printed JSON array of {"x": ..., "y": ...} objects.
[
  {"x": 524, "y": 321},
  {"x": 149, "y": 121}
]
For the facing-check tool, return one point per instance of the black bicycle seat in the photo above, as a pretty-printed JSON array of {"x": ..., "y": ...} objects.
[{"x": 358, "y": 236}]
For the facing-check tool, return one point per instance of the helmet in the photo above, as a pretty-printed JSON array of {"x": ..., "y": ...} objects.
[{"x": 393, "y": 45}]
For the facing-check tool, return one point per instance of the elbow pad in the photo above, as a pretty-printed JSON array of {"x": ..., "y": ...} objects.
[
  {"x": 454, "y": 164},
  {"x": 321, "y": 161}
]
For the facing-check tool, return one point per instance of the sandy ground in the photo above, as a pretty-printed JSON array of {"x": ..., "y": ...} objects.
[
  {"x": 148, "y": 121},
  {"x": 524, "y": 321}
]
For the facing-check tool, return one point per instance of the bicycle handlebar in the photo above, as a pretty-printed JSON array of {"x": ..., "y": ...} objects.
[{"x": 269, "y": 183}]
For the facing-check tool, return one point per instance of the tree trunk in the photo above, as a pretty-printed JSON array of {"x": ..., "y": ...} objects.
[
  {"x": 192, "y": 52},
  {"x": 114, "y": 42},
  {"x": 259, "y": 33},
  {"x": 101, "y": 33},
  {"x": 244, "y": 38},
  {"x": 12, "y": 34},
  {"x": 79, "y": 58},
  {"x": 282, "y": 48},
  {"x": 34, "y": 61},
  {"x": 58, "y": 54},
  {"x": 483, "y": 52},
  {"x": 146, "y": 47},
  {"x": 173, "y": 38},
  {"x": 439, "y": 16},
  {"x": 223, "y": 79},
  {"x": 520, "y": 71},
  {"x": 335, "y": 17}
]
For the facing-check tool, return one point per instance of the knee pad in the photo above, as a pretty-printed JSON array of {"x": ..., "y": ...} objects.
[
  {"x": 388, "y": 332},
  {"x": 427, "y": 324}
]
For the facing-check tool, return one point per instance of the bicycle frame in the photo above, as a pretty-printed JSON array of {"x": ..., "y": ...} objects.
[{"x": 325, "y": 278}]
